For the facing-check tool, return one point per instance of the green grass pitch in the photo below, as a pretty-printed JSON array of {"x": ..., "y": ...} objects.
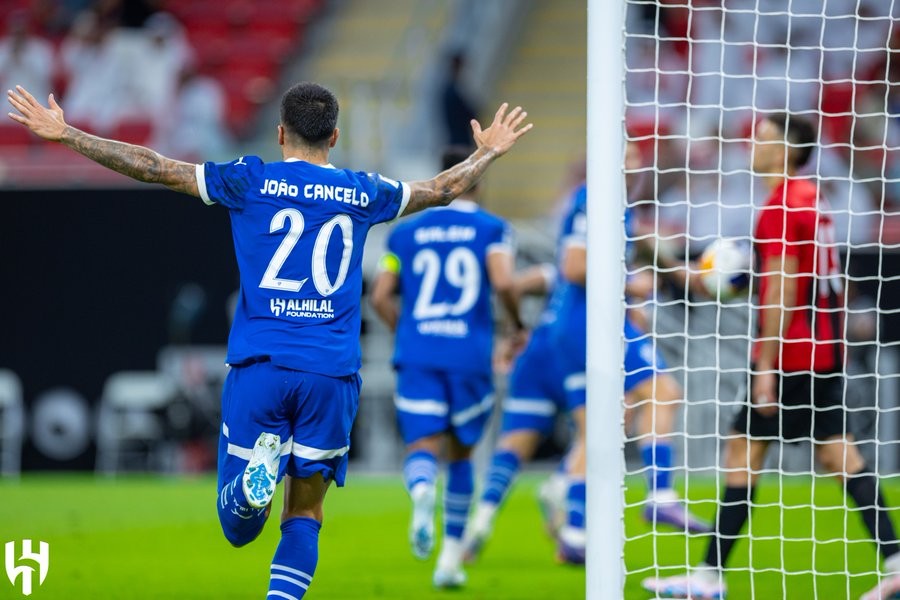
[{"x": 148, "y": 537}]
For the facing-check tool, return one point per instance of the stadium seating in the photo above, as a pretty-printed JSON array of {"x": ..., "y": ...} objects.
[
  {"x": 546, "y": 74},
  {"x": 12, "y": 424},
  {"x": 14, "y": 135},
  {"x": 242, "y": 44},
  {"x": 130, "y": 420}
]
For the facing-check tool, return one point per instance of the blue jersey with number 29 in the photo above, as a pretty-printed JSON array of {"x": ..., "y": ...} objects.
[
  {"x": 299, "y": 231},
  {"x": 446, "y": 321}
]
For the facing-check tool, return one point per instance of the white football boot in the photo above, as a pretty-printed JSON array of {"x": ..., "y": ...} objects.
[
  {"x": 421, "y": 527},
  {"x": 448, "y": 573},
  {"x": 478, "y": 530},
  {"x": 261, "y": 473},
  {"x": 700, "y": 584}
]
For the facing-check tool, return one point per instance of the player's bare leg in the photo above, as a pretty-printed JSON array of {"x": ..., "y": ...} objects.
[{"x": 658, "y": 399}]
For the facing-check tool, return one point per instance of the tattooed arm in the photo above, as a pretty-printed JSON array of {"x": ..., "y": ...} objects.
[
  {"x": 492, "y": 143},
  {"x": 136, "y": 162}
]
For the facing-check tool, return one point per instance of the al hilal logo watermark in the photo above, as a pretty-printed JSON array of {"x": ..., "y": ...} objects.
[{"x": 26, "y": 571}]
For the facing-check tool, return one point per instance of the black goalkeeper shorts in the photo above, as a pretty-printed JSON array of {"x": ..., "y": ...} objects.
[{"x": 811, "y": 407}]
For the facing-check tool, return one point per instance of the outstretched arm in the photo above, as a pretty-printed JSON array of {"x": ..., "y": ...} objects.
[
  {"x": 134, "y": 161},
  {"x": 491, "y": 144}
]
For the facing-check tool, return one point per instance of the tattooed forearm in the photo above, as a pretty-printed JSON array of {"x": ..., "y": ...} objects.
[
  {"x": 134, "y": 161},
  {"x": 451, "y": 183}
]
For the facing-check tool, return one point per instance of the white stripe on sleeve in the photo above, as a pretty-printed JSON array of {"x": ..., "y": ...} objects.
[
  {"x": 404, "y": 200},
  {"x": 201, "y": 185}
]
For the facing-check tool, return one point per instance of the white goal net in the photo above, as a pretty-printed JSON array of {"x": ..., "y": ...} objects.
[{"x": 700, "y": 75}]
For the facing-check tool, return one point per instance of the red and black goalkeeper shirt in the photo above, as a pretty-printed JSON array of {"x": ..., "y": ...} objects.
[{"x": 790, "y": 225}]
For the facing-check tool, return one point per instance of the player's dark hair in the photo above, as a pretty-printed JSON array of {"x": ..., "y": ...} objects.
[
  {"x": 453, "y": 155},
  {"x": 799, "y": 134},
  {"x": 309, "y": 111}
]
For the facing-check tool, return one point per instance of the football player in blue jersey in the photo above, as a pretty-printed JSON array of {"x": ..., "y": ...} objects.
[
  {"x": 535, "y": 395},
  {"x": 647, "y": 386},
  {"x": 299, "y": 226},
  {"x": 444, "y": 263}
]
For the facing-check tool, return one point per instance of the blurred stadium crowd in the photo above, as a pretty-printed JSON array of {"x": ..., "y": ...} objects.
[
  {"x": 183, "y": 77},
  {"x": 698, "y": 74}
]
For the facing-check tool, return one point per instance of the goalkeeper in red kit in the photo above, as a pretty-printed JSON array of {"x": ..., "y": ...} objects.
[{"x": 796, "y": 380}]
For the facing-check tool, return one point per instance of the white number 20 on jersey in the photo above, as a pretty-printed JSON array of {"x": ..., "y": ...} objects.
[
  {"x": 323, "y": 283},
  {"x": 460, "y": 269}
]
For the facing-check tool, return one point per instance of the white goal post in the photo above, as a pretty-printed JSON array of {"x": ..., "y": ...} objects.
[
  {"x": 687, "y": 81},
  {"x": 606, "y": 195}
]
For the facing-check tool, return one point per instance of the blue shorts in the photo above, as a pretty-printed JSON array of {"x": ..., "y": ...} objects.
[
  {"x": 641, "y": 363},
  {"x": 536, "y": 390},
  {"x": 430, "y": 402},
  {"x": 312, "y": 413}
]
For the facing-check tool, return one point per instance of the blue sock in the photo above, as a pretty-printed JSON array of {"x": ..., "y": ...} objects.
[
  {"x": 575, "y": 504},
  {"x": 502, "y": 472},
  {"x": 658, "y": 456},
  {"x": 419, "y": 467},
  {"x": 458, "y": 497},
  {"x": 295, "y": 558},
  {"x": 240, "y": 522}
]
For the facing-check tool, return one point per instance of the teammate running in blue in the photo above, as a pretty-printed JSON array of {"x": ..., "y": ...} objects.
[
  {"x": 299, "y": 226},
  {"x": 444, "y": 263},
  {"x": 536, "y": 394},
  {"x": 646, "y": 387}
]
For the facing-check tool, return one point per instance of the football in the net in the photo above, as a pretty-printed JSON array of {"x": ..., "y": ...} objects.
[{"x": 725, "y": 268}]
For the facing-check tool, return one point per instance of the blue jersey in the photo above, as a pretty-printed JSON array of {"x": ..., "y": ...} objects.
[
  {"x": 446, "y": 320},
  {"x": 571, "y": 308},
  {"x": 299, "y": 231}
]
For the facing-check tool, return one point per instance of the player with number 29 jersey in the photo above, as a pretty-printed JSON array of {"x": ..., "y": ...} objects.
[
  {"x": 446, "y": 320},
  {"x": 445, "y": 264},
  {"x": 299, "y": 231}
]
